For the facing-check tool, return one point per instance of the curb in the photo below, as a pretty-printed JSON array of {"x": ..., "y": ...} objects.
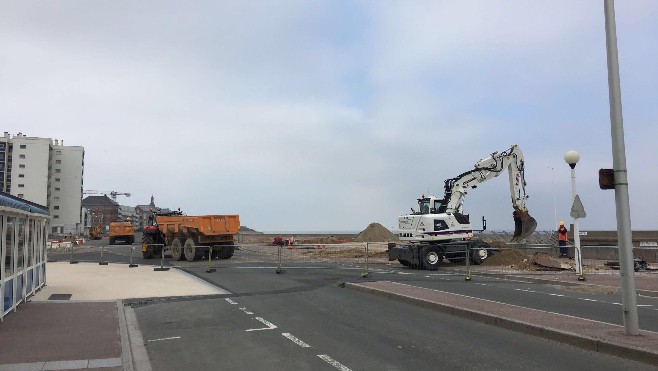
[
  {"x": 133, "y": 352},
  {"x": 569, "y": 338},
  {"x": 126, "y": 351}
]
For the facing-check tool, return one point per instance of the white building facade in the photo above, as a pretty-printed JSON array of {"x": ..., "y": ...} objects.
[{"x": 45, "y": 172}]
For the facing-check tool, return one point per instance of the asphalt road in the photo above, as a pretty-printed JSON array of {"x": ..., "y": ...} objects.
[{"x": 302, "y": 319}]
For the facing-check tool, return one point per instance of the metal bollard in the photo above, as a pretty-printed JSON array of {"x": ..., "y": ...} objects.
[
  {"x": 365, "y": 273},
  {"x": 161, "y": 268},
  {"x": 210, "y": 270},
  {"x": 131, "y": 265},
  {"x": 101, "y": 262},
  {"x": 72, "y": 261}
]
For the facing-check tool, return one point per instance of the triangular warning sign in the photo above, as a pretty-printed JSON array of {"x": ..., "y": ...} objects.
[{"x": 577, "y": 209}]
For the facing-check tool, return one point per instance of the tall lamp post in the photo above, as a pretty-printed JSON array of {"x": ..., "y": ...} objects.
[
  {"x": 629, "y": 296},
  {"x": 572, "y": 158}
]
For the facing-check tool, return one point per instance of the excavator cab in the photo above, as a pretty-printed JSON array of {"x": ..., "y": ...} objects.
[{"x": 524, "y": 225}]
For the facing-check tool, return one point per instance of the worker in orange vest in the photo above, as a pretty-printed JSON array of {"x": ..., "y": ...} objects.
[{"x": 562, "y": 238}]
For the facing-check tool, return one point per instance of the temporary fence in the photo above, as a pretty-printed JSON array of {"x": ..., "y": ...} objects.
[{"x": 357, "y": 256}]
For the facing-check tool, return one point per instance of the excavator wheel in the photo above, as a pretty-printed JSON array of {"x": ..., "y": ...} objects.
[
  {"x": 176, "y": 250},
  {"x": 524, "y": 225},
  {"x": 479, "y": 252},
  {"x": 431, "y": 257}
]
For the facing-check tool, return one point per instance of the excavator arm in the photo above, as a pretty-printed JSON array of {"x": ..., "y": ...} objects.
[{"x": 489, "y": 168}]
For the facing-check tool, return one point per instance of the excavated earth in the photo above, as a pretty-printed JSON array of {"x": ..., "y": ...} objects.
[{"x": 517, "y": 259}]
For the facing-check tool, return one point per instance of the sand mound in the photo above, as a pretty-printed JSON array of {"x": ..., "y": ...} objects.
[{"x": 375, "y": 232}]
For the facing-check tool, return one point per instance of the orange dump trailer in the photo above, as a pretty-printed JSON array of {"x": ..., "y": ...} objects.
[
  {"x": 191, "y": 237},
  {"x": 122, "y": 232}
]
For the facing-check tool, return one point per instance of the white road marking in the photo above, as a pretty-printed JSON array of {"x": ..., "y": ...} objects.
[
  {"x": 269, "y": 325},
  {"x": 162, "y": 339},
  {"x": 230, "y": 301},
  {"x": 295, "y": 340},
  {"x": 564, "y": 296},
  {"x": 246, "y": 311},
  {"x": 333, "y": 362}
]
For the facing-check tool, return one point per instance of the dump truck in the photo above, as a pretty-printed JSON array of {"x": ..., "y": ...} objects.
[
  {"x": 123, "y": 232},
  {"x": 190, "y": 237}
]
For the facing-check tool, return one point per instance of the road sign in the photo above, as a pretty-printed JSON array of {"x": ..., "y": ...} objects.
[{"x": 577, "y": 209}]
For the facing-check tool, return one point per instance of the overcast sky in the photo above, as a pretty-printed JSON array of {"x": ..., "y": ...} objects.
[{"x": 330, "y": 115}]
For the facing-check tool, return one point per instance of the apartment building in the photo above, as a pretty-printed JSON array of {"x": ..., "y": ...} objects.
[{"x": 44, "y": 171}]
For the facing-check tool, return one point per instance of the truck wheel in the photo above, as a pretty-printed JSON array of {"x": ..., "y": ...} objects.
[
  {"x": 147, "y": 240},
  {"x": 431, "y": 257},
  {"x": 176, "y": 250},
  {"x": 226, "y": 252},
  {"x": 189, "y": 250}
]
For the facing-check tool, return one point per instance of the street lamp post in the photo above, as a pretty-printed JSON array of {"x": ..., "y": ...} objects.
[
  {"x": 624, "y": 232},
  {"x": 572, "y": 158}
]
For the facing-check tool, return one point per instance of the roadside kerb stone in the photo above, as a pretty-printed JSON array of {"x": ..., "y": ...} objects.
[{"x": 583, "y": 333}]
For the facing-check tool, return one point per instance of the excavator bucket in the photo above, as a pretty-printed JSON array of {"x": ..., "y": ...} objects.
[{"x": 524, "y": 225}]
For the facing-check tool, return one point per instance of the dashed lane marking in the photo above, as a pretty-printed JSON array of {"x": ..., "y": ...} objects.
[
  {"x": 333, "y": 362},
  {"x": 163, "y": 339},
  {"x": 295, "y": 340},
  {"x": 230, "y": 301},
  {"x": 244, "y": 309}
]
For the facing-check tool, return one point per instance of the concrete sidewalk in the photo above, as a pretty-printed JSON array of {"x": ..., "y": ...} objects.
[
  {"x": 587, "y": 334},
  {"x": 78, "y": 320}
]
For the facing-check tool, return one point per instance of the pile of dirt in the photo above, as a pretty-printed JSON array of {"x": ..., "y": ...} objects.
[
  {"x": 517, "y": 259},
  {"x": 511, "y": 257},
  {"x": 543, "y": 261},
  {"x": 375, "y": 232}
]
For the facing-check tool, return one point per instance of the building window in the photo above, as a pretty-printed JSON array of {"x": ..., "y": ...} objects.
[
  {"x": 21, "y": 156},
  {"x": 56, "y": 207},
  {"x": 57, "y": 179},
  {"x": 21, "y": 166},
  {"x": 58, "y": 170},
  {"x": 56, "y": 216},
  {"x": 57, "y": 188},
  {"x": 21, "y": 175},
  {"x": 20, "y": 195},
  {"x": 21, "y": 185},
  {"x": 58, "y": 152},
  {"x": 23, "y": 146},
  {"x": 57, "y": 198},
  {"x": 58, "y": 161}
]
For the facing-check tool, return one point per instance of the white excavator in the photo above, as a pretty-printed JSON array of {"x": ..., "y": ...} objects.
[{"x": 439, "y": 229}]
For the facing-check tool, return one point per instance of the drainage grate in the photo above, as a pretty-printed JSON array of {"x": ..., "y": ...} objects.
[{"x": 60, "y": 297}]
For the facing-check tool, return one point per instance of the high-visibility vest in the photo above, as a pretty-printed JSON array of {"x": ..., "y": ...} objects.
[{"x": 562, "y": 234}]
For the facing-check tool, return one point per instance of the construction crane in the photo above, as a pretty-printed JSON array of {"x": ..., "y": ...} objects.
[{"x": 112, "y": 194}]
